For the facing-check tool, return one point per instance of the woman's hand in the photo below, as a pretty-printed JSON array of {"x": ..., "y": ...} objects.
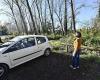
[{"x": 74, "y": 53}]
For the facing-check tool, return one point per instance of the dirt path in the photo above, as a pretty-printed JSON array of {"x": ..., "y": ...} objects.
[{"x": 53, "y": 67}]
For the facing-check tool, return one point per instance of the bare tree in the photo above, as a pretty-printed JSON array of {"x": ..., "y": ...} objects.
[
  {"x": 99, "y": 8},
  {"x": 35, "y": 14},
  {"x": 73, "y": 15},
  {"x": 51, "y": 13},
  {"x": 58, "y": 11},
  {"x": 45, "y": 13},
  {"x": 33, "y": 22},
  {"x": 21, "y": 15},
  {"x": 39, "y": 14},
  {"x": 65, "y": 17},
  {"x": 36, "y": 20},
  {"x": 10, "y": 4}
]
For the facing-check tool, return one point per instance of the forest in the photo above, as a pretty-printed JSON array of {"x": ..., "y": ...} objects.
[{"x": 58, "y": 20}]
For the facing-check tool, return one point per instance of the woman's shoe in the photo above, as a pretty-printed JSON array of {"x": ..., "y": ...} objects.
[
  {"x": 72, "y": 67},
  {"x": 77, "y": 67}
]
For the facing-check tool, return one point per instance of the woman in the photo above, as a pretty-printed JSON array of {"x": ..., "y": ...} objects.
[{"x": 76, "y": 52}]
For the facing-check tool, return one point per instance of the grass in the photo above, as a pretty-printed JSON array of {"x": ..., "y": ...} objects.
[{"x": 91, "y": 58}]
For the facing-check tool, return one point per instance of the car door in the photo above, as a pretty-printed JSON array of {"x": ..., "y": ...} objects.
[
  {"x": 17, "y": 53},
  {"x": 41, "y": 43},
  {"x": 21, "y": 52},
  {"x": 32, "y": 48}
]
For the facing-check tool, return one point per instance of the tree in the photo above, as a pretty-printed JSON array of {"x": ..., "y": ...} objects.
[
  {"x": 73, "y": 15},
  {"x": 51, "y": 14},
  {"x": 65, "y": 17},
  {"x": 21, "y": 15},
  {"x": 33, "y": 22},
  {"x": 99, "y": 8},
  {"x": 3, "y": 30},
  {"x": 39, "y": 15},
  {"x": 10, "y": 4},
  {"x": 58, "y": 10},
  {"x": 45, "y": 13}
]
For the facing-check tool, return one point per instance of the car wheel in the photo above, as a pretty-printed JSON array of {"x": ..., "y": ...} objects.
[
  {"x": 3, "y": 71},
  {"x": 47, "y": 52}
]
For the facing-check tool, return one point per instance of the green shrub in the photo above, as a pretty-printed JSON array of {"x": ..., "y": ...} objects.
[{"x": 54, "y": 37}]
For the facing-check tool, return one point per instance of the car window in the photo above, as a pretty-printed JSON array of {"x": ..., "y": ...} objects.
[
  {"x": 40, "y": 40},
  {"x": 24, "y": 43},
  {"x": 28, "y": 42},
  {"x": 31, "y": 41},
  {"x": 15, "y": 47}
]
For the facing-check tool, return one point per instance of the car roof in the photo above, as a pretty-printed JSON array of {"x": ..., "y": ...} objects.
[{"x": 17, "y": 38}]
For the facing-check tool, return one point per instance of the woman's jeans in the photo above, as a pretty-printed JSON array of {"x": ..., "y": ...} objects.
[{"x": 75, "y": 59}]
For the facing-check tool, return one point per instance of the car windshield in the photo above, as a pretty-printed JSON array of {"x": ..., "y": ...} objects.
[{"x": 6, "y": 44}]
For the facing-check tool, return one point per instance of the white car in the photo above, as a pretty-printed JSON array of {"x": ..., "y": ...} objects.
[{"x": 22, "y": 49}]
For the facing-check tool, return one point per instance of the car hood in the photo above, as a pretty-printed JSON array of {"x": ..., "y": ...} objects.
[{"x": 2, "y": 49}]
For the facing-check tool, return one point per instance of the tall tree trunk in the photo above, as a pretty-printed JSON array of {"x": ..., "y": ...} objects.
[
  {"x": 39, "y": 14},
  {"x": 45, "y": 14},
  {"x": 71, "y": 24},
  {"x": 73, "y": 15},
  {"x": 28, "y": 19},
  {"x": 33, "y": 22},
  {"x": 99, "y": 9},
  {"x": 22, "y": 18},
  {"x": 60, "y": 21},
  {"x": 11, "y": 8},
  {"x": 51, "y": 14},
  {"x": 35, "y": 19},
  {"x": 15, "y": 21},
  {"x": 65, "y": 18}
]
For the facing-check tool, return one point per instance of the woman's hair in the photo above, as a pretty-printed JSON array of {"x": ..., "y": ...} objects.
[{"x": 78, "y": 34}]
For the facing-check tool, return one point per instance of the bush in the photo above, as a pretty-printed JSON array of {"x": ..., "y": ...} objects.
[
  {"x": 90, "y": 41},
  {"x": 54, "y": 37},
  {"x": 91, "y": 37},
  {"x": 91, "y": 58},
  {"x": 61, "y": 43}
]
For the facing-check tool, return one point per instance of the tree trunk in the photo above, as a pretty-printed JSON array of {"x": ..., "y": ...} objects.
[
  {"x": 45, "y": 14},
  {"x": 65, "y": 18},
  {"x": 22, "y": 18},
  {"x": 11, "y": 8},
  {"x": 73, "y": 16},
  {"x": 35, "y": 18},
  {"x": 41, "y": 31},
  {"x": 33, "y": 22},
  {"x": 51, "y": 14},
  {"x": 99, "y": 9}
]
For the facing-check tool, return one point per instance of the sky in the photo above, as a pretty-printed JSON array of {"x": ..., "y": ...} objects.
[{"x": 86, "y": 14}]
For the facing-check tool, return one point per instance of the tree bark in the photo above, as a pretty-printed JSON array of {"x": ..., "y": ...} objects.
[
  {"x": 51, "y": 15},
  {"x": 22, "y": 18},
  {"x": 41, "y": 31},
  {"x": 73, "y": 16},
  {"x": 33, "y": 22},
  {"x": 10, "y": 4},
  {"x": 65, "y": 17}
]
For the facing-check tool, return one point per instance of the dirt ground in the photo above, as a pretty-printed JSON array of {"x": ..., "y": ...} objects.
[{"x": 55, "y": 67}]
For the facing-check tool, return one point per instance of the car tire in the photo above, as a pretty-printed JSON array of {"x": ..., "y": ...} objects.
[
  {"x": 47, "y": 52},
  {"x": 3, "y": 71}
]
